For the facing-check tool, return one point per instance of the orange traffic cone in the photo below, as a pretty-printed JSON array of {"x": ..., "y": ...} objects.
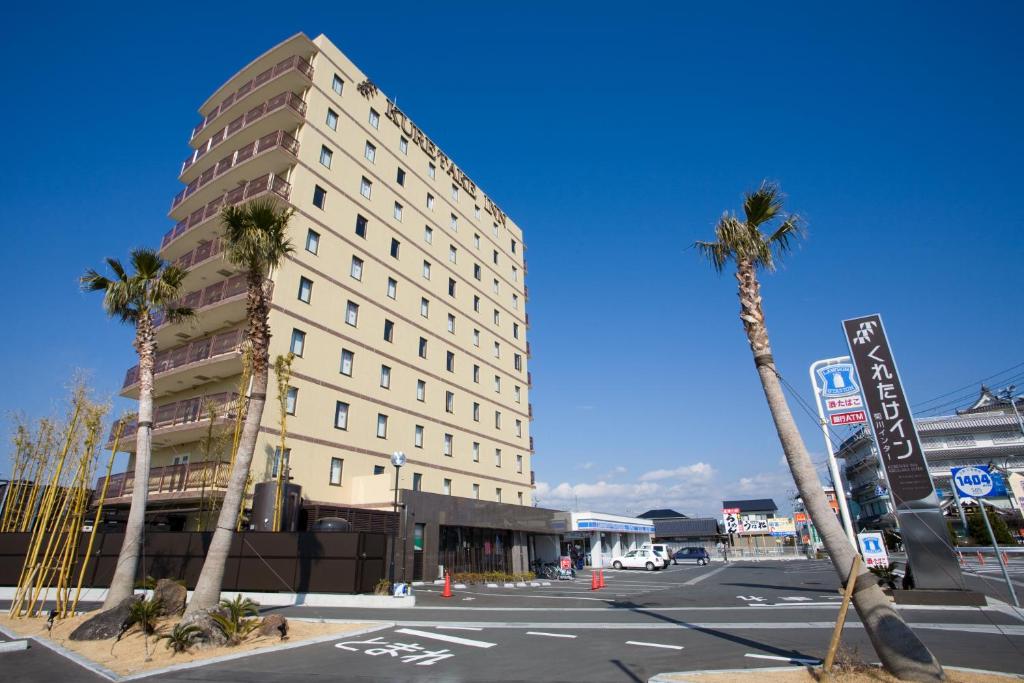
[
  {"x": 447, "y": 592},
  {"x": 981, "y": 558},
  {"x": 960, "y": 557},
  {"x": 1006, "y": 559},
  {"x": 593, "y": 580},
  {"x": 600, "y": 579}
]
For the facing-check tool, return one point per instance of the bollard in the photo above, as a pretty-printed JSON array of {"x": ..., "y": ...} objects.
[{"x": 447, "y": 592}]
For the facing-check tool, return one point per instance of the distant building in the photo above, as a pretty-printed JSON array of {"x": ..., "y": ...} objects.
[
  {"x": 664, "y": 513},
  {"x": 677, "y": 530},
  {"x": 599, "y": 536},
  {"x": 806, "y": 532},
  {"x": 752, "y": 531}
]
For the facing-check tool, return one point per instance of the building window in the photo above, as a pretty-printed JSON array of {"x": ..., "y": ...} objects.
[
  {"x": 356, "y": 270},
  {"x": 382, "y": 426},
  {"x": 497, "y": 318},
  {"x": 960, "y": 440},
  {"x": 453, "y": 254},
  {"x": 448, "y": 444},
  {"x": 451, "y": 286},
  {"x": 515, "y": 330},
  {"x": 417, "y": 482},
  {"x": 497, "y": 384},
  {"x": 514, "y": 245},
  {"x": 424, "y": 307},
  {"x": 497, "y": 350},
  {"x": 476, "y": 491},
  {"x": 312, "y": 241},
  {"x": 336, "y": 464},
  {"x": 370, "y": 152},
  {"x": 476, "y": 374},
  {"x": 423, "y": 347},
  {"x": 298, "y": 342},
  {"x": 515, "y": 302},
  {"x": 347, "y": 358},
  {"x": 398, "y": 211},
  {"x": 431, "y": 169},
  {"x": 364, "y": 187},
  {"x": 446, "y": 487},
  {"x": 374, "y": 118},
  {"x": 428, "y": 235},
  {"x": 385, "y": 377},
  {"x": 325, "y": 156},
  {"x": 430, "y": 201},
  {"x": 451, "y": 323},
  {"x": 519, "y": 464},
  {"x": 476, "y": 240},
  {"x": 421, "y": 390},
  {"x": 455, "y": 192},
  {"x": 352, "y": 313},
  {"x": 494, "y": 287},
  {"x": 337, "y": 84},
  {"x": 497, "y": 495},
  {"x": 495, "y": 257},
  {"x": 476, "y": 337},
  {"x": 378, "y": 469},
  {"x": 515, "y": 274},
  {"x": 400, "y": 177},
  {"x": 494, "y": 229},
  {"x": 519, "y": 496},
  {"x": 395, "y": 247},
  {"x": 305, "y": 289},
  {"x": 403, "y": 145},
  {"x": 332, "y": 119},
  {"x": 497, "y": 457},
  {"x": 417, "y": 438},
  {"x": 277, "y": 461},
  {"x": 518, "y": 361},
  {"x": 340, "y": 415},
  {"x": 389, "y": 331},
  {"x": 426, "y": 270},
  {"x": 519, "y": 427},
  {"x": 449, "y": 402},
  {"x": 477, "y": 271},
  {"x": 497, "y": 419},
  {"x": 392, "y": 288},
  {"x": 476, "y": 451},
  {"x": 291, "y": 398},
  {"x": 361, "y": 226},
  {"x": 453, "y": 223},
  {"x": 476, "y": 411},
  {"x": 476, "y": 303},
  {"x": 319, "y": 197},
  {"x": 449, "y": 362}
]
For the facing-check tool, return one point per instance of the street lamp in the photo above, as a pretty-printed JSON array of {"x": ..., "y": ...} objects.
[{"x": 397, "y": 459}]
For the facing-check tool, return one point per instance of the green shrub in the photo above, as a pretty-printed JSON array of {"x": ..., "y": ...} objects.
[
  {"x": 144, "y": 613},
  {"x": 232, "y": 621},
  {"x": 181, "y": 637},
  {"x": 383, "y": 587}
]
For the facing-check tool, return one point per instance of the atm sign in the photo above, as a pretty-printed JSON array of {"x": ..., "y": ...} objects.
[{"x": 854, "y": 417}]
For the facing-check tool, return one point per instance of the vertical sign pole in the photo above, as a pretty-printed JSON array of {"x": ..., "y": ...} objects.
[
  {"x": 959, "y": 504},
  {"x": 837, "y": 482},
  {"x": 999, "y": 556}
]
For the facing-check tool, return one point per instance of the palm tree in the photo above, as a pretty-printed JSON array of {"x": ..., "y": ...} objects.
[
  {"x": 256, "y": 240},
  {"x": 742, "y": 242},
  {"x": 136, "y": 299}
]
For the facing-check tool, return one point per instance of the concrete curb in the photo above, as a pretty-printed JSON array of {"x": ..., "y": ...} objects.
[
  {"x": 13, "y": 645},
  {"x": 274, "y": 599}
]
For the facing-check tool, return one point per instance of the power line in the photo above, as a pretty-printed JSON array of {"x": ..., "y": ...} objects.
[
  {"x": 968, "y": 386},
  {"x": 964, "y": 398}
]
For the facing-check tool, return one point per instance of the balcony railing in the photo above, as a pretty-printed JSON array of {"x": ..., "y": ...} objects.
[
  {"x": 171, "y": 479},
  {"x": 195, "y": 352},
  {"x": 531, "y": 411},
  {"x": 253, "y": 188},
  {"x": 187, "y": 411},
  {"x": 238, "y": 157},
  {"x": 531, "y": 444},
  {"x": 285, "y": 99},
  {"x": 529, "y": 379},
  {"x": 206, "y": 251},
  {"x": 209, "y": 296},
  {"x": 294, "y": 63}
]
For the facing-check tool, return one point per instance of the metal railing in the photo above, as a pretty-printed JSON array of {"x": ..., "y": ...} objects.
[
  {"x": 285, "y": 99},
  {"x": 277, "y": 139},
  {"x": 187, "y": 411},
  {"x": 187, "y": 354},
  {"x": 171, "y": 479},
  {"x": 209, "y": 296},
  {"x": 294, "y": 63}
]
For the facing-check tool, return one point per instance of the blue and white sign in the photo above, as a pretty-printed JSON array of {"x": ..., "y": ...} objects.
[
  {"x": 977, "y": 482},
  {"x": 837, "y": 381},
  {"x": 872, "y": 547}
]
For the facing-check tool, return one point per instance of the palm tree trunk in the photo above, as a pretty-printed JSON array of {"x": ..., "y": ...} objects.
[
  {"x": 207, "y": 593},
  {"x": 123, "y": 583},
  {"x": 901, "y": 652}
]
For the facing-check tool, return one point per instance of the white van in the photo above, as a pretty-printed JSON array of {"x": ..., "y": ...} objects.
[{"x": 661, "y": 551}]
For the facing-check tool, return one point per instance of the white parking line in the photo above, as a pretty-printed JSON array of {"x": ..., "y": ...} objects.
[
  {"x": 795, "y": 660},
  {"x": 447, "y": 639},
  {"x": 460, "y": 628},
  {"x": 667, "y": 647},
  {"x": 551, "y": 635},
  {"x": 698, "y": 579}
]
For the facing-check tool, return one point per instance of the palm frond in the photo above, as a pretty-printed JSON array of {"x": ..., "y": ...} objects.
[
  {"x": 714, "y": 252},
  {"x": 147, "y": 263},
  {"x": 92, "y": 281},
  {"x": 781, "y": 241},
  {"x": 115, "y": 265},
  {"x": 256, "y": 234},
  {"x": 763, "y": 204}
]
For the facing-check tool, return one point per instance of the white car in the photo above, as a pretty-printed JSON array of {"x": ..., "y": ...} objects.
[
  {"x": 661, "y": 550},
  {"x": 638, "y": 559}
]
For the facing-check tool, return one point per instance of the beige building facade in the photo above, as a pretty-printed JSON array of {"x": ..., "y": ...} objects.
[{"x": 403, "y": 302}]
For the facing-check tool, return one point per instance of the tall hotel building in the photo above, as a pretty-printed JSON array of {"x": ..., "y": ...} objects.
[{"x": 404, "y": 303}]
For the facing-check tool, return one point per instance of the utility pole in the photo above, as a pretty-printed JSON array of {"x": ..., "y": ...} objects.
[{"x": 397, "y": 459}]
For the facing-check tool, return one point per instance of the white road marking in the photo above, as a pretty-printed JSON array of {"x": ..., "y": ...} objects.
[
  {"x": 698, "y": 579},
  {"x": 667, "y": 647},
  {"x": 461, "y": 628},
  {"x": 447, "y": 639},
  {"x": 800, "y": 599},
  {"x": 751, "y": 598},
  {"x": 792, "y": 604},
  {"x": 552, "y": 635},
  {"x": 795, "y": 660}
]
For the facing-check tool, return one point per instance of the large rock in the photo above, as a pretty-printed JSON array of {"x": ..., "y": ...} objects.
[
  {"x": 171, "y": 595},
  {"x": 105, "y": 625},
  {"x": 211, "y": 636},
  {"x": 274, "y": 625}
]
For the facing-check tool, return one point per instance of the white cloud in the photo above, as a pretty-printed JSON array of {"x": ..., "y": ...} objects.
[{"x": 700, "y": 471}]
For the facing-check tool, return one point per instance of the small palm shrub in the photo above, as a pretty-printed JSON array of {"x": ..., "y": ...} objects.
[
  {"x": 383, "y": 587},
  {"x": 232, "y": 619},
  {"x": 886, "y": 575},
  {"x": 144, "y": 613},
  {"x": 181, "y": 637}
]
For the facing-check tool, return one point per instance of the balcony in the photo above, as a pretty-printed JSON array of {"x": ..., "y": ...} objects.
[
  {"x": 529, "y": 379},
  {"x": 219, "y": 305},
  {"x": 273, "y": 152},
  {"x": 280, "y": 112},
  {"x": 185, "y": 234},
  {"x": 531, "y": 445},
  {"x": 171, "y": 483},
  {"x": 289, "y": 74},
  {"x": 180, "y": 421},
  {"x": 190, "y": 365}
]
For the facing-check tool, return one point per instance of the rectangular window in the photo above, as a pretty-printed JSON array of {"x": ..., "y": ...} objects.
[
  {"x": 332, "y": 119},
  {"x": 392, "y": 287},
  {"x": 417, "y": 485},
  {"x": 325, "y": 156},
  {"x": 519, "y": 464},
  {"x": 385, "y": 377},
  {"x": 453, "y": 222},
  {"x": 497, "y": 495},
  {"x": 453, "y": 254},
  {"x": 476, "y": 303},
  {"x": 365, "y": 186},
  {"x": 449, "y": 402},
  {"x": 519, "y": 496},
  {"x": 497, "y": 419},
  {"x": 396, "y": 246},
  {"x": 476, "y": 240},
  {"x": 356, "y": 270},
  {"x": 477, "y": 271},
  {"x": 515, "y": 274},
  {"x": 431, "y": 169},
  {"x": 519, "y": 427},
  {"x": 476, "y": 491},
  {"x": 451, "y": 323},
  {"x": 476, "y": 451},
  {"x": 497, "y": 457},
  {"x": 400, "y": 177},
  {"x": 515, "y": 392},
  {"x": 497, "y": 350},
  {"x": 378, "y": 469},
  {"x": 374, "y": 118},
  {"x": 515, "y": 302},
  {"x": 449, "y": 362},
  {"x": 417, "y": 438},
  {"x": 476, "y": 374},
  {"x": 515, "y": 330},
  {"x": 430, "y": 201},
  {"x": 336, "y": 464},
  {"x": 494, "y": 287},
  {"x": 291, "y": 398},
  {"x": 398, "y": 211},
  {"x": 337, "y": 84},
  {"x": 382, "y": 426},
  {"x": 476, "y": 212},
  {"x": 455, "y": 192},
  {"x": 446, "y": 487},
  {"x": 494, "y": 229},
  {"x": 476, "y": 411},
  {"x": 352, "y": 313},
  {"x": 298, "y": 342},
  {"x": 448, "y": 444},
  {"x": 423, "y": 347},
  {"x": 319, "y": 197},
  {"x": 497, "y": 383},
  {"x": 476, "y": 337},
  {"x": 428, "y": 235},
  {"x": 347, "y": 358},
  {"x": 495, "y": 257},
  {"x": 497, "y": 318},
  {"x": 361, "y": 226},
  {"x": 403, "y": 145},
  {"x": 340, "y": 415},
  {"x": 518, "y": 361},
  {"x": 426, "y": 270},
  {"x": 305, "y": 289},
  {"x": 389, "y": 331},
  {"x": 514, "y": 245},
  {"x": 312, "y": 241},
  {"x": 277, "y": 460},
  {"x": 421, "y": 390},
  {"x": 451, "y": 286},
  {"x": 370, "y": 152},
  {"x": 424, "y": 307}
]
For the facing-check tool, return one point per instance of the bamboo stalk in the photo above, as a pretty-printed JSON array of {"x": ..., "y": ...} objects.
[
  {"x": 22, "y": 454},
  {"x": 283, "y": 370},
  {"x": 42, "y": 455}
]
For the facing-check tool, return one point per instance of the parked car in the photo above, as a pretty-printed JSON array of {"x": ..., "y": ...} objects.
[
  {"x": 637, "y": 559},
  {"x": 661, "y": 550},
  {"x": 698, "y": 554}
]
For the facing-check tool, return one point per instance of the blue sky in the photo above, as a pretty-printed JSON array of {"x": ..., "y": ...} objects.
[{"x": 616, "y": 137}]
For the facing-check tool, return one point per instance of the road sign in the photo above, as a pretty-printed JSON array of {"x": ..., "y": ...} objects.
[
  {"x": 872, "y": 547},
  {"x": 844, "y": 403},
  {"x": 977, "y": 482},
  {"x": 853, "y": 417},
  {"x": 837, "y": 380},
  {"x": 733, "y": 525},
  {"x": 730, "y": 511},
  {"x": 800, "y": 516}
]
